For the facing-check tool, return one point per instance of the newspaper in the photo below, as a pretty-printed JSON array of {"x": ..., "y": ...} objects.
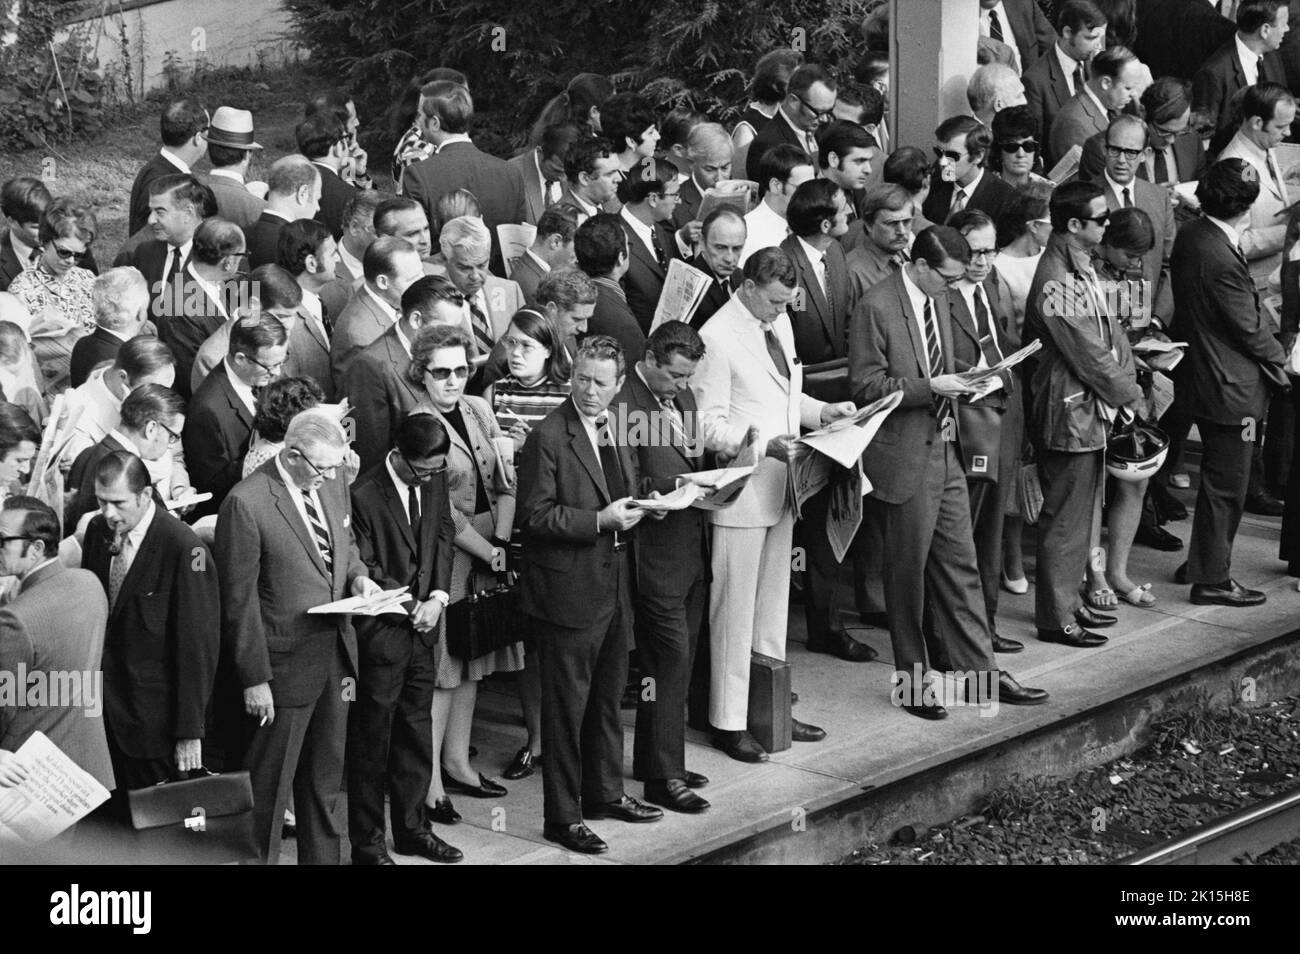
[
  {"x": 46, "y": 482},
  {"x": 1068, "y": 166},
  {"x": 844, "y": 515},
  {"x": 719, "y": 488},
  {"x": 977, "y": 376},
  {"x": 1160, "y": 355},
  {"x": 514, "y": 241},
  {"x": 842, "y": 443},
  {"x": 738, "y": 194},
  {"x": 56, "y": 794},
  {"x": 684, "y": 289},
  {"x": 387, "y": 601}
]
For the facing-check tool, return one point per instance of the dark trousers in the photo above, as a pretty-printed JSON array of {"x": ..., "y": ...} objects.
[
  {"x": 301, "y": 751},
  {"x": 390, "y": 737},
  {"x": 930, "y": 567},
  {"x": 1064, "y": 528},
  {"x": 667, "y": 634},
  {"x": 819, "y": 609},
  {"x": 1271, "y": 461},
  {"x": 1225, "y": 475},
  {"x": 583, "y": 672},
  {"x": 988, "y": 516}
]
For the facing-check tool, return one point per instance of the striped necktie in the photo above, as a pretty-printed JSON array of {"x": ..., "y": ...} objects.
[
  {"x": 995, "y": 26},
  {"x": 319, "y": 531},
  {"x": 482, "y": 334},
  {"x": 934, "y": 353},
  {"x": 117, "y": 570}
]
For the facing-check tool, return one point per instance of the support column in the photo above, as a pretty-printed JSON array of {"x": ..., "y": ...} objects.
[{"x": 932, "y": 53}]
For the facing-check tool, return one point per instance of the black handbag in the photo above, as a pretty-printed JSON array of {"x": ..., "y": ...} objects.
[
  {"x": 980, "y": 426},
  {"x": 484, "y": 622},
  {"x": 199, "y": 821}
]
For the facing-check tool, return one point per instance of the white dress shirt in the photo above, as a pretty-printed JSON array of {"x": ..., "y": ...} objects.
[
  {"x": 805, "y": 138},
  {"x": 589, "y": 425},
  {"x": 1228, "y": 230},
  {"x": 918, "y": 299},
  {"x": 818, "y": 259},
  {"x": 183, "y": 251},
  {"x": 1117, "y": 190},
  {"x": 211, "y": 290},
  {"x": 552, "y": 195},
  {"x": 451, "y": 137},
  {"x": 1249, "y": 61},
  {"x": 350, "y": 261},
  {"x": 765, "y": 228},
  {"x": 389, "y": 312},
  {"x": 538, "y": 260},
  {"x": 403, "y": 496},
  {"x": 968, "y": 189},
  {"x": 174, "y": 159},
  {"x": 639, "y": 229},
  {"x": 311, "y": 304},
  {"x": 136, "y": 537},
  {"x": 242, "y": 390}
]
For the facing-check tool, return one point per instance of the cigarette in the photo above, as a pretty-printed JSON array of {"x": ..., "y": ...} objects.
[
  {"x": 262, "y": 723},
  {"x": 506, "y": 410}
]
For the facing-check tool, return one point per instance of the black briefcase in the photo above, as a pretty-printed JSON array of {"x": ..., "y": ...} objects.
[
  {"x": 484, "y": 622},
  {"x": 980, "y": 426},
  {"x": 199, "y": 821},
  {"x": 770, "y": 719}
]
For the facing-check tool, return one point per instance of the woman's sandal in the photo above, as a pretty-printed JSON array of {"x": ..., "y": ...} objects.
[{"x": 1139, "y": 596}]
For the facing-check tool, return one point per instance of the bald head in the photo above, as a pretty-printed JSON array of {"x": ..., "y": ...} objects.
[{"x": 709, "y": 149}]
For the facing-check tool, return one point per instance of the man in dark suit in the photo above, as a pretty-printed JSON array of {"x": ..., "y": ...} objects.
[
  {"x": 722, "y": 239},
  {"x": 22, "y": 201},
  {"x": 323, "y": 140},
  {"x": 1248, "y": 58},
  {"x": 962, "y": 181},
  {"x": 402, "y": 521},
  {"x": 542, "y": 168},
  {"x": 1021, "y": 25},
  {"x": 184, "y": 127},
  {"x": 901, "y": 338},
  {"x": 553, "y": 248},
  {"x": 1234, "y": 359},
  {"x": 446, "y": 112},
  {"x": 293, "y": 191},
  {"x": 1114, "y": 75},
  {"x": 818, "y": 217},
  {"x": 164, "y": 626},
  {"x": 176, "y": 207},
  {"x": 1175, "y": 37},
  {"x": 601, "y": 246},
  {"x": 845, "y": 151},
  {"x": 649, "y": 195},
  {"x": 220, "y": 422},
  {"x": 1062, "y": 70},
  {"x": 809, "y": 102},
  {"x": 592, "y": 174},
  {"x": 285, "y": 544},
  {"x": 121, "y": 301},
  {"x": 576, "y": 481},
  {"x": 672, "y": 560}
]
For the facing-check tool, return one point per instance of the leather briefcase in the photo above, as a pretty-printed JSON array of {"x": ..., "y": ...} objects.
[
  {"x": 484, "y": 622},
  {"x": 980, "y": 426},
  {"x": 770, "y": 719},
  {"x": 199, "y": 821}
]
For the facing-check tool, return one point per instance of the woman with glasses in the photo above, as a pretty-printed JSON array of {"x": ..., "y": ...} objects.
[
  {"x": 57, "y": 292},
  {"x": 482, "y": 493},
  {"x": 1016, "y": 148},
  {"x": 277, "y": 405}
]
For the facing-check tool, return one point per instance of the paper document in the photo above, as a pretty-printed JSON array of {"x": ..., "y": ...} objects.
[
  {"x": 843, "y": 441},
  {"x": 738, "y": 194},
  {"x": 339, "y": 410},
  {"x": 719, "y": 488},
  {"x": 844, "y": 515},
  {"x": 978, "y": 375},
  {"x": 189, "y": 500},
  {"x": 684, "y": 288},
  {"x": 388, "y": 601},
  {"x": 514, "y": 241},
  {"x": 1068, "y": 166},
  {"x": 57, "y": 793},
  {"x": 679, "y": 499}
]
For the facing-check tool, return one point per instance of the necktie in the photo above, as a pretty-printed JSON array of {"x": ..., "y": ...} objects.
[
  {"x": 609, "y": 461},
  {"x": 995, "y": 27},
  {"x": 174, "y": 264},
  {"x": 775, "y": 351},
  {"x": 482, "y": 335},
  {"x": 934, "y": 353},
  {"x": 319, "y": 531},
  {"x": 894, "y": 263},
  {"x": 1128, "y": 198},
  {"x": 811, "y": 144},
  {"x": 117, "y": 570},
  {"x": 325, "y": 320},
  {"x": 413, "y": 507},
  {"x": 1272, "y": 171},
  {"x": 1078, "y": 77},
  {"x": 658, "y": 248},
  {"x": 983, "y": 324},
  {"x": 674, "y": 419},
  {"x": 958, "y": 202}
]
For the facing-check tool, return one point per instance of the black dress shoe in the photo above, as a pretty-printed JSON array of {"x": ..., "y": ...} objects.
[
  {"x": 694, "y": 780},
  {"x": 934, "y": 712},
  {"x": 486, "y": 788},
  {"x": 428, "y": 845},
  {"x": 1075, "y": 636},
  {"x": 372, "y": 856},
  {"x": 843, "y": 646},
  {"x": 1157, "y": 538},
  {"x": 626, "y": 809},
  {"x": 674, "y": 795},
  {"x": 1265, "y": 505},
  {"x": 1086, "y": 616},
  {"x": 740, "y": 745},
  {"x": 442, "y": 812},
  {"x": 803, "y": 732},
  {"x": 577, "y": 838},
  {"x": 523, "y": 765},
  {"x": 1229, "y": 593},
  {"x": 1014, "y": 694},
  {"x": 1003, "y": 645},
  {"x": 1180, "y": 574}
]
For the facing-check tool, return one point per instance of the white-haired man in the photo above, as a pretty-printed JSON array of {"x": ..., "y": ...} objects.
[
  {"x": 120, "y": 298},
  {"x": 992, "y": 88},
  {"x": 490, "y": 302}
]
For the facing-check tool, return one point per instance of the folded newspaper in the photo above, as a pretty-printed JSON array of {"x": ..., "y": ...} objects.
[
  {"x": 684, "y": 288},
  {"x": 387, "y": 601},
  {"x": 977, "y": 376}
]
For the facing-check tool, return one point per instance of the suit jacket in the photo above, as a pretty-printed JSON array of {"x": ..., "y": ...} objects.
[
  {"x": 271, "y": 573},
  {"x": 1034, "y": 34},
  {"x": 1175, "y": 37},
  {"x": 164, "y": 635},
  {"x": 360, "y": 323},
  {"x": 773, "y": 133},
  {"x": 1189, "y": 156},
  {"x": 98, "y": 346},
  {"x": 309, "y": 354},
  {"x": 644, "y": 281},
  {"x": 820, "y": 328},
  {"x": 155, "y": 168},
  {"x": 1264, "y": 237},
  {"x": 1047, "y": 90},
  {"x": 498, "y": 186},
  {"x": 992, "y": 196},
  {"x": 504, "y": 298},
  {"x": 262, "y": 239},
  {"x": 234, "y": 202},
  {"x": 1078, "y": 121},
  {"x": 336, "y": 293},
  {"x": 380, "y": 396},
  {"x": 56, "y": 625},
  {"x": 388, "y": 547},
  {"x": 218, "y": 428},
  {"x": 185, "y": 332},
  {"x": 81, "y": 481},
  {"x": 613, "y": 317},
  {"x": 566, "y": 579},
  {"x": 534, "y": 202},
  {"x": 966, "y": 348},
  {"x": 527, "y": 274},
  {"x": 736, "y": 385},
  {"x": 717, "y": 296},
  {"x": 688, "y": 207},
  {"x": 150, "y": 259},
  {"x": 1232, "y": 349},
  {"x": 335, "y": 194},
  {"x": 1219, "y": 78},
  {"x": 1155, "y": 202},
  {"x": 10, "y": 267}
]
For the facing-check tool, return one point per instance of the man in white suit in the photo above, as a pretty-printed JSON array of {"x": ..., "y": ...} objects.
[{"x": 749, "y": 388}]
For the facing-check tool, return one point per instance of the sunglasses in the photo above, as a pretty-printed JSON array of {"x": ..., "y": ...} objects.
[
  {"x": 1099, "y": 219},
  {"x": 66, "y": 254},
  {"x": 421, "y": 474},
  {"x": 949, "y": 154},
  {"x": 442, "y": 374},
  {"x": 1018, "y": 145}
]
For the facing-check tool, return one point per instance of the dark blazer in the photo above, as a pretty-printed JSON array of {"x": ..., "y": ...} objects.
[
  {"x": 361, "y": 322},
  {"x": 184, "y": 331},
  {"x": 98, "y": 346},
  {"x": 774, "y": 132},
  {"x": 335, "y": 194},
  {"x": 534, "y": 202},
  {"x": 566, "y": 572},
  {"x": 1034, "y": 34},
  {"x": 10, "y": 267},
  {"x": 164, "y": 636},
  {"x": 1219, "y": 78},
  {"x": 150, "y": 259},
  {"x": 1189, "y": 156},
  {"x": 1078, "y": 121},
  {"x": 689, "y": 206},
  {"x": 498, "y": 186},
  {"x": 218, "y": 428},
  {"x": 271, "y": 573},
  {"x": 1232, "y": 353},
  {"x": 1046, "y": 91},
  {"x": 155, "y": 168},
  {"x": 81, "y": 482},
  {"x": 1175, "y": 37},
  {"x": 262, "y": 239},
  {"x": 613, "y": 317},
  {"x": 716, "y": 296},
  {"x": 527, "y": 274},
  {"x": 644, "y": 281},
  {"x": 966, "y": 339},
  {"x": 820, "y": 329},
  {"x": 380, "y": 396},
  {"x": 991, "y": 195}
]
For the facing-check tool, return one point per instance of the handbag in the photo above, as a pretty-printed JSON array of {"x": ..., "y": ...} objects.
[
  {"x": 200, "y": 821},
  {"x": 484, "y": 622},
  {"x": 980, "y": 426}
]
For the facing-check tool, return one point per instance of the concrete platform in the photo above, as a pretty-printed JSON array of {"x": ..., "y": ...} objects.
[{"x": 772, "y": 812}]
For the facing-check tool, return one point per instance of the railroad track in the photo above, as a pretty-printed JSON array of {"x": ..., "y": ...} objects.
[{"x": 1252, "y": 830}]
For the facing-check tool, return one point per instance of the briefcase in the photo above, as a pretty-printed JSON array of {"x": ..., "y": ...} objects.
[
  {"x": 200, "y": 821},
  {"x": 770, "y": 721},
  {"x": 484, "y": 622},
  {"x": 980, "y": 426}
]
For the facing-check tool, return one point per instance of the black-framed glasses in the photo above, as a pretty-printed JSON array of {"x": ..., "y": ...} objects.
[
  {"x": 1115, "y": 152},
  {"x": 324, "y": 473},
  {"x": 442, "y": 374},
  {"x": 819, "y": 113},
  {"x": 1167, "y": 133},
  {"x": 951, "y": 155},
  {"x": 1018, "y": 145},
  {"x": 422, "y": 474},
  {"x": 985, "y": 253},
  {"x": 271, "y": 369},
  {"x": 4, "y": 540},
  {"x": 172, "y": 437}
]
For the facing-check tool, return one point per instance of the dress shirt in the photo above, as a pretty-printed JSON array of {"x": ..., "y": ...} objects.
[
  {"x": 22, "y": 250},
  {"x": 918, "y": 299},
  {"x": 818, "y": 259},
  {"x": 551, "y": 195},
  {"x": 1249, "y": 61},
  {"x": 1096, "y": 99},
  {"x": 350, "y": 261},
  {"x": 587, "y": 208},
  {"x": 451, "y": 137},
  {"x": 211, "y": 289},
  {"x": 296, "y": 493},
  {"x": 537, "y": 260},
  {"x": 1228, "y": 230},
  {"x": 228, "y": 174},
  {"x": 1118, "y": 190},
  {"x": 279, "y": 215},
  {"x": 174, "y": 159},
  {"x": 765, "y": 228},
  {"x": 805, "y": 137},
  {"x": 389, "y": 312},
  {"x": 640, "y": 230},
  {"x": 136, "y": 536},
  {"x": 969, "y": 188},
  {"x": 1171, "y": 165},
  {"x": 968, "y": 291},
  {"x": 1068, "y": 65},
  {"x": 589, "y": 425},
  {"x": 183, "y": 251},
  {"x": 403, "y": 495},
  {"x": 242, "y": 390},
  {"x": 401, "y": 337}
]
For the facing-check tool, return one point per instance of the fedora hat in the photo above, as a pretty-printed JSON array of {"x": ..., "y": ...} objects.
[{"x": 232, "y": 128}]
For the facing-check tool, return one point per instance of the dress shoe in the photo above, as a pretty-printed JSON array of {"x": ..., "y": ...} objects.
[
  {"x": 373, "y": 856},
  {"x": 1228, "y": 593},
  {"x": 523, "y": 765},
  {"x": 1264, "y": 505},
  {"x": 1180, "y": 574},
  {"x": 1014, "y": 694},
  {"x": 933, "y": 712},
  {"x": 577, "y": 838},
  {"x": 1019, "y": 586},
  {"x": 694, "y": 779},
  {"x": 1003, "y": 645},
  {"x": 486, "y": 788},
  {"x": 442, "y": 812},
  {"x": 1085, "y": 616},
  {"x": 874, "y": 618},
  {"x": 803, "y": 732},
  {"x": 843, "y": 646},
  {"x": 1157, "y": 538},
  {"x": 674, "y": 795},
  {"x": 1180, "y": 481},
  {"x": 740, "y": 745},
  {"x": 1075, "y": 636},
  {"x": 428, "y": 845},
  {"x": 626, "y": 809}
]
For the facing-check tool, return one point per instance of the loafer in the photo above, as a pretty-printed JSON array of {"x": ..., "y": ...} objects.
[
  {"x": 674, "y": 795},
  {"x": 522, "y": 766},
  {"x": 486, "y": 788},
  {"x": 428, "y": 845},
  {"x": 577, "y": 838},
  {"x": 694, "y": 779},
  {"x": 442, "y": 812},
  {"x": 372, "y": 856},
  {"x": 803, "y": 732},
  {"x": 933, "y": 712},
  {"x": 1075, "y": 636},
  {"x": 842, "y": 646},
  {"x": 626, "y": 809},
  {"x": 1264, "y": 505},
  {"x": 1085, "y": 616},
  {"x": 740, "y": 745},
  {"x": 1228, "y": 593},
  {"x": 1157, "y": 538},
  {"x": 1003, "y": 645},
  {"x": 1014, "y": 694}
]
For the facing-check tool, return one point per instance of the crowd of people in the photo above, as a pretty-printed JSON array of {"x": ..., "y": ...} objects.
[{"x": 287, "y": 393}]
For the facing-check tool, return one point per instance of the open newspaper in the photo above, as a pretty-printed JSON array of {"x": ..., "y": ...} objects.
[
  {"x": 56, "y": 794},
  {"x": 718, "y": 489},
  {"x": 515, "y": 240},
  {"x": 386, "y": 601},
  {"x": 684, "y": 288},
  {"x": 1160, "y": 355},
  {"x": 738, "y": 194},
  {"x": 1068, "y": 166},
  {"x": 977, "y": 376}
]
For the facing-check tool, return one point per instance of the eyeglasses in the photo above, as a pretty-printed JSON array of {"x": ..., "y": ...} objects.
[
  {"x": 271, "y": 369},
  {"x": 1099, "y": 219},
  {"x": 442, "y": 374},
  {"x": 422, "y": 473},
  {"x": 4, "y": 540},
  {"x": 1116, "y": 152},
  {"x": 172, "y": 436},
  {"x": 325, "y": 473},
  {"x": 671, "y": 196},
  {"x": 1018, "y": 145},
  {"x": 66, "y": 254},
  {"x": 950, "y": 154},
  {"x": 819, "y": 113},
  {"x": 982, "y": 253},
  {"x": 526, "y": 345},
  {"x": 1168, "y": 133}
]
